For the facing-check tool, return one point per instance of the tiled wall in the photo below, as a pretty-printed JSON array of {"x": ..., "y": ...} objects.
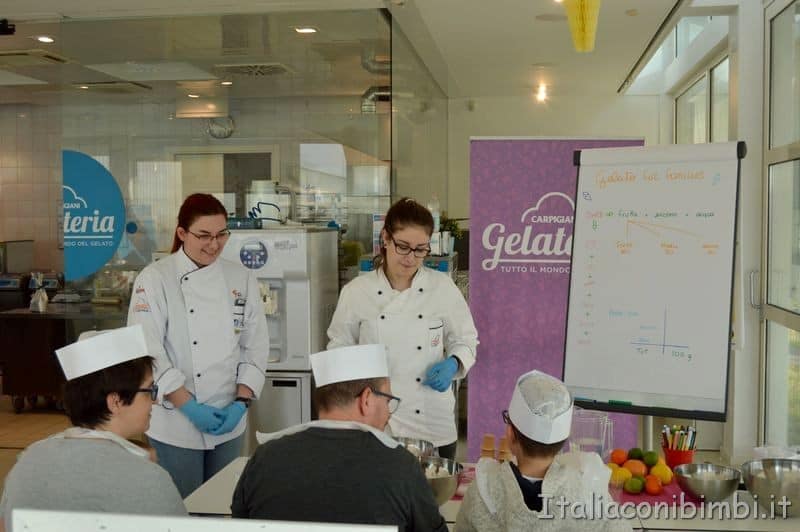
[{"x": 30, "y": 180}]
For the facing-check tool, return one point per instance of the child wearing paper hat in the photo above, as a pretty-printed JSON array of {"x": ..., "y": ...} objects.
[
  {"x": 92, "y": 466},
  {"x": 524, "y": 496},
  {"x": 342, "y": 468}
]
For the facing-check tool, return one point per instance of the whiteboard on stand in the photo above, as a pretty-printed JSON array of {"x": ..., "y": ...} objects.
[{"x": 651, "y": 285}]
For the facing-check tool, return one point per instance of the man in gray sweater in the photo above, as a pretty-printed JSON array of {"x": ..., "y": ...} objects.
[{"x": 342, "y": 468}]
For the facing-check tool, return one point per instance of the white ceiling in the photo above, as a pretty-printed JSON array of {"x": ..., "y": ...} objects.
[{"x": 474, "y": 48}]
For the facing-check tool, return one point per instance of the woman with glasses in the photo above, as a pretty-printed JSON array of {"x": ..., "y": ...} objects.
[
  {"x": 421, "y": 317},
  {"x": 205, "y": 326},
  {"x": 93, "y": 466}
]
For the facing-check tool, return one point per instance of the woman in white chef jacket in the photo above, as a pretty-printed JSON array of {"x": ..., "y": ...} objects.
[
  {"x": 205, "y": 327},
  {"x": 421, "y": 317}
]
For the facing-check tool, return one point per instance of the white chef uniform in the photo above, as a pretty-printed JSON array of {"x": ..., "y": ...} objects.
[
  {"x": 207, "y": 331},
  {"x": 419, "y": 326}
]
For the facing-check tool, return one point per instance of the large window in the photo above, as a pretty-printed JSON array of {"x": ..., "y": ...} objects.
[
  {"x": 691, "y": 114},
  {"x": 702, "y": 109},
  {"x": 719, "y": 102},
  {"x": 782, "y": 253}
]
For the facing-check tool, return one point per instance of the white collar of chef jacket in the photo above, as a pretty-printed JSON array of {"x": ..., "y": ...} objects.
[{"x": 384, "y": 438}]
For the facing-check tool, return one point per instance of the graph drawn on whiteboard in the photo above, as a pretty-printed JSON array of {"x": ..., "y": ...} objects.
[{"x": 646, "y": 341}]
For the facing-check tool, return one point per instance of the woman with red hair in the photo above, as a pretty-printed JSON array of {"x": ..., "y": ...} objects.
[{"x": 205, "y": 327}]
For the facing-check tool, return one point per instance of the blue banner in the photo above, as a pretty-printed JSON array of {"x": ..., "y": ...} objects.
[{"x": 94, "y": 215}]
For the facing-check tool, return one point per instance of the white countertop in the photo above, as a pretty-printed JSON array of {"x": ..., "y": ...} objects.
[{"x": 214, "y": 498}]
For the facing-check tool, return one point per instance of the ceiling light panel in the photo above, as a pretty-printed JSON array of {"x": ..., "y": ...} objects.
[{"x": 166, "y": 71}]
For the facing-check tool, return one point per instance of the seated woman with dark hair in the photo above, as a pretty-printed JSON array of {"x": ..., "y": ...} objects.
[{"x": 92, "y": 466}]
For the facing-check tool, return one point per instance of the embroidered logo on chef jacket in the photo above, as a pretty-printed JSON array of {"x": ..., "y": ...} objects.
[
  {"x": 238, "y": 313},
  {"x": 436, "y": 339},
  {"x": 141, "y": 304}
]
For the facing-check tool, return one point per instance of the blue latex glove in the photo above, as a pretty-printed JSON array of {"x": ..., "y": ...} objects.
[
  {"x": 206, "y": 418},
  {"x": 441, "y": 374},
  {"x": 233, "y": 413}
]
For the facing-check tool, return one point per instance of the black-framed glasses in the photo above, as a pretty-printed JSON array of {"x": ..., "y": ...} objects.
[
  {"x": 506, "y": 419},
  {"x": 153, "y": 391},
  {"x": 206, "y": 238},
  {"x": 404, "y": 249},
  {"x": 391, "y": 400}
]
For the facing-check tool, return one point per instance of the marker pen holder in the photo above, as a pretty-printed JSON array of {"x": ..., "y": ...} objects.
[{"x": 674, "y": 457}]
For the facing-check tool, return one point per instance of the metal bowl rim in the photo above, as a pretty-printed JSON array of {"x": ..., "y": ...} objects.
[{"x": 678, "y": 471}]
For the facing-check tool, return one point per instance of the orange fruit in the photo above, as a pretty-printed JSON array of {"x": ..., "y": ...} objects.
[
  {"x": 618, "y": 456},
  {"x": 636, "y": 467},
  {"x": 652, "y": 486}
]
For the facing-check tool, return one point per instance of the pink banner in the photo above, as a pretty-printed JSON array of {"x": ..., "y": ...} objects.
[{"x": 521, "y": 209}]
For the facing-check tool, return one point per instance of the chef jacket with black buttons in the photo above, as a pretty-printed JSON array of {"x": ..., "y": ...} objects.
[
  {"x": 207, "y": 331},
  {"x": 420, "y": 326}
]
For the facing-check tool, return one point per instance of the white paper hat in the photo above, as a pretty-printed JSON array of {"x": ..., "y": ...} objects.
[
  {"x": 541, "y": 407},
  {"x": 349, "y": 363},
  {"x": 96, "y": 350}
]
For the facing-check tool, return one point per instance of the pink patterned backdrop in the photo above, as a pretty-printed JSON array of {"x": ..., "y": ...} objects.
[{"x": 521, "y": 207}]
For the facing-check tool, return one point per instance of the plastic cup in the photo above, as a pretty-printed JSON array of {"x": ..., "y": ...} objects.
[
  {"x": 674, "y": 457},
  {"x": 488, "y": 446}
]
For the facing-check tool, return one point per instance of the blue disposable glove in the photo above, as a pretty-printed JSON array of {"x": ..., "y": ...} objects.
[
  {"x": 206, "y": 418},
  {"x": 441, "y": 374},
  {"x": 233, "y": 413}
]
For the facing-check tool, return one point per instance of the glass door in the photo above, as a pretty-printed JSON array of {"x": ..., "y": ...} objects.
[{"x": 781, "y": 351}]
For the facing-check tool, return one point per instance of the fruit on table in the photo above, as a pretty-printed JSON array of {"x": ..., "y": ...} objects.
[
  {"x": 636, "y": 467},
  {"x": 612, "y": 466},
  {"x": 633, "y": 485},
  {"x": 663, "y": 472},
  {"x": 650, "y": 458},
  {"x": 652, "y": 485},
  {"x": 619, "y": 476},
  {"x": 618, "y": 456},
  {"x": 635, "y": 454}
]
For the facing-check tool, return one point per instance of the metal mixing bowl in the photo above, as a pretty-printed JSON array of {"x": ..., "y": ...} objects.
[
  {"x": 442, "y": 475},
  {"x": 709, "y": 482},
  {"x": 774, "y": 476},
  {"x": 417, "y": 447}
]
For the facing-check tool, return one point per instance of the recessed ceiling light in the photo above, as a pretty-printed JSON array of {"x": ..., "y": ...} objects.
[
  {"x": 84, "y": 87},
  {"x": 193, "y": 95},
  {"x": 226, "y": 83},
  {"x": 541, "y": 94},
  {"x": 305, "y": 29},
  {"x": 45, "y": 39}
]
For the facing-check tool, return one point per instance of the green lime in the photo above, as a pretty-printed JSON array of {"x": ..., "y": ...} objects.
[
  {"x": 650, "y": 458},
  {"x": 635, "y": 454},
  {"x": 633, "y": 485}
]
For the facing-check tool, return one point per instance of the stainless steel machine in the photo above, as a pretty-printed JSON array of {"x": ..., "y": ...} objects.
[{"x": 297, "y": 271}]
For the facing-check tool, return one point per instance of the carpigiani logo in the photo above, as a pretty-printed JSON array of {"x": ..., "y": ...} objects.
[
  {"x": 541, "y": 243},
  {"x": 94, "y": 215},
  {"x": 85, "y": 226}
]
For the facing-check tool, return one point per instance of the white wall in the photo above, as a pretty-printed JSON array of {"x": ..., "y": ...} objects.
[{"x": 586, "y": 115}]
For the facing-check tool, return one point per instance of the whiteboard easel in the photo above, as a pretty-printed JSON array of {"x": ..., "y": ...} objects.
[{"x": 651, "y": 284}]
